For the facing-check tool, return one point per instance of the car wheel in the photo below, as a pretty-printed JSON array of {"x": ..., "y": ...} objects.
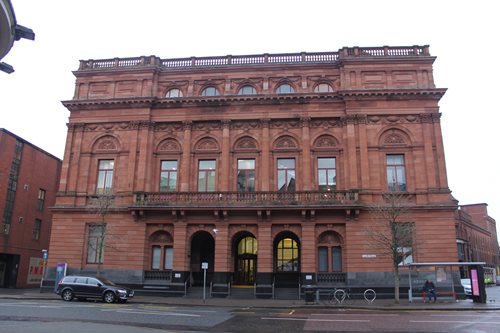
[
  {"x": 109, "y": 297},
  {"x": 67, "y": 295}
]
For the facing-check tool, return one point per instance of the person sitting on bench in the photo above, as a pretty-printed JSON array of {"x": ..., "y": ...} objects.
[{"x": 430, "y": 289}]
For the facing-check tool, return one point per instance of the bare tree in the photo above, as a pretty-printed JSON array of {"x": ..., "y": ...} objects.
[
  {"x": 394, "y": 233},
  {"x": 101, "y": 205}
]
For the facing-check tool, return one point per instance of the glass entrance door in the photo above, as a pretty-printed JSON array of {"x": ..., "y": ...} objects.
[
  {"x": 246, "y": 271},
  {"x": 246, "y": 261}
]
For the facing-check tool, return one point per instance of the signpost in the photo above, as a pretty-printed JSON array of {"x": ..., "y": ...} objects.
[
  {"x": 45, "y": 255},
  {"x": 204, "y": 266}
]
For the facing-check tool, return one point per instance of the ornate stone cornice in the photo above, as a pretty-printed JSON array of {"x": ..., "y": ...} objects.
[{"x": 358, "y": 93}]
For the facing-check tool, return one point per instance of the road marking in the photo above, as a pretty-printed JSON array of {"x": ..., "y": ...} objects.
[
  {"x": 319, "y": 320},
  {"x": 158, "y": 313},
  {"x": 456, "y": 322},
  {"x": 460, "y": 315},
  {"x": 170, "y": 308},
  {"x": 354, "y": 314}
]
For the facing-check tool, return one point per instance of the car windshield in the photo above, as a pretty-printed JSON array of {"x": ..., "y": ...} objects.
[{"x": 107, "y": 282}]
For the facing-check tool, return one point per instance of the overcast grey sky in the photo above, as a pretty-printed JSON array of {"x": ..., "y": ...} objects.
[{"x": 462, "y": 34}]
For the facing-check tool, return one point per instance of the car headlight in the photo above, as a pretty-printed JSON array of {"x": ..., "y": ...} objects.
[{"x": 122, "y": 291}]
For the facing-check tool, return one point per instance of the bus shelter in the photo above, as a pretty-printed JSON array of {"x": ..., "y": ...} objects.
[{"x": 476, "y": 274}]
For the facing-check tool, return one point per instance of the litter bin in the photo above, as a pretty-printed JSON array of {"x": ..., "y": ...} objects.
[{"x": 309, "y": 294}]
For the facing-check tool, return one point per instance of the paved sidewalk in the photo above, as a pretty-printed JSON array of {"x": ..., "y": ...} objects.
[{"x": 493, "y": 301}]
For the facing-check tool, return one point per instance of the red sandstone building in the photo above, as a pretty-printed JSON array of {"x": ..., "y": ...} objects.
[
  {"x": 262, "y": 166},
  {"x": 477, "y": 238},
  {"x": 29, "y": 178}
]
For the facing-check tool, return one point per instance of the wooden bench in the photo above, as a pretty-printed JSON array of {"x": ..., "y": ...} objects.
[{"x": 442, "y": 293}]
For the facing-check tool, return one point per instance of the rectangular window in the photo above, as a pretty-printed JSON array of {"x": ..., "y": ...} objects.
[
  {"x": 327, "y": 174},
  {"x": 95, "y": 245},
  {"x": 323, "y": 259},
  {"x": 156, "y": 257},
  {"x": 286, "y": 174},
  {"x": 41, "y": 200},
  {"x": 37, "y": 227},
  {"x": 105, "y": 176},
  {"x": 336, "y": 259},
  {"x": 206, "y": 176},
  {"x": 246, "y": 175},
  {"x": 169, "y": 257},
  {"x": 396, "y": 178},
  {"x": 168, "y": 176}
]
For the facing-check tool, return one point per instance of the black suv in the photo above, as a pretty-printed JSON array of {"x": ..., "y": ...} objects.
[{"x": 83, "y": 287}]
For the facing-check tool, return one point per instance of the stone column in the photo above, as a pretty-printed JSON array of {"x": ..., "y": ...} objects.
[
  {"x": 306, "y": 155},
  {"x": 438, "y": 137},
  {"x": 186, "y": 157},
  {"x": 352, "y": 165},
  {"x": 265, "y": 258},
  {"x": 181, "y": 250},
  {"x": 71, "y": 162},
  {"x": 222, "y": 253},
  {"x": 143, "y": 165},
  {"x": 308, "y": 252},
  {"x": 225, "y": 171},
  {"x": 265, "y": 161},
  {"x": 430, "y": 163},
  {"x": 363, "y": 153}
]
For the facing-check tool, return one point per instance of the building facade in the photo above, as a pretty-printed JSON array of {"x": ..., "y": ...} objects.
[
  {"x": 477, "y": 238},
  {"x": 29, "y": 179},
  {"x": 264, "y": 167}
]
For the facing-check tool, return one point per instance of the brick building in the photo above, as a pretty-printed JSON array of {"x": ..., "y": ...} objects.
[
  {"x": 263, "y": 166},
  {"x": 29, "y": 178},
  {"x": 477, "y": 237}
]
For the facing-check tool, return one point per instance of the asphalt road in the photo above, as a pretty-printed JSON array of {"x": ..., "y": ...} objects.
[{"x": 75, "y": 317}]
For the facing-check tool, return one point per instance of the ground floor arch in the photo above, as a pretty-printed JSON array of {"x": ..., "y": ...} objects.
[
  {"x": 202, "y": 251},
  {"x": 245, "y": 249}
]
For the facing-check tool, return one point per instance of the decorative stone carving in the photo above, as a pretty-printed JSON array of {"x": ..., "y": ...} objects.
[
  {"x": 394, "y": 137},
  {"x": 207, "y": 144},
  {"x": 161, "y": 237},
  {"x": 325, "y": 141},
  {"x": 107, "y": 143},
  {"x": 169, "y": 145},
  {"x": 245, "y": 143},
  {"x": 285, "y": 142}
]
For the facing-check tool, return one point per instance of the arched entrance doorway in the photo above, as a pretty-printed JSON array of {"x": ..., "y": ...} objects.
[
  {"x": 287, "y": 260},
  {"x": 202, "y": 250},
  {"x": 245, "y": 248}
]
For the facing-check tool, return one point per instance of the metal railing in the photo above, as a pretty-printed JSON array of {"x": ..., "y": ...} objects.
[
  {"x": 158, "y": 275},
  {"x": 331, "y": 278}
]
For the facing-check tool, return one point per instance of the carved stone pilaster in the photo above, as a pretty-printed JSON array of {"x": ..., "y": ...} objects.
[
  {"x": 187, "y": 125},
  {"x": 305, "y": 121},
  {"x": 425, "y": 118}
]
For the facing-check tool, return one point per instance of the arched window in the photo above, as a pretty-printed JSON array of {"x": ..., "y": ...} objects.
[
  {"x": 330, "y": 252},
  {"x": 173, "y": 93},
  {"x": 285, "y": 89},
  {"x": 287, "y": 255},
  {"x": 210, "y": 91},
  {"x": 247, "y": 90},
  {"x": 323, "y": 88}
]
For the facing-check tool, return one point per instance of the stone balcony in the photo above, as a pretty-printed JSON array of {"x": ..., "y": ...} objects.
[{"x": 246, "y": 200}]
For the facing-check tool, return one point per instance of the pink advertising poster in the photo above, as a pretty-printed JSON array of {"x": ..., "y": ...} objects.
[{"x": 475, "y": 282}]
